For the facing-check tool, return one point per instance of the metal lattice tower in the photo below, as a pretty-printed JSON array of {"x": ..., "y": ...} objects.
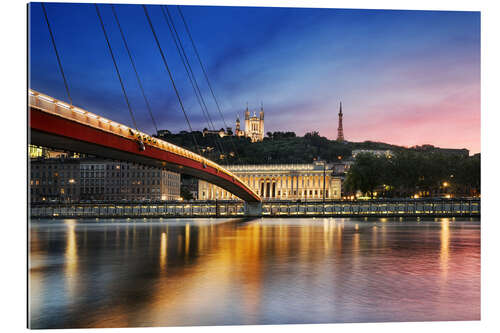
[{"x": 340, "y": 133}]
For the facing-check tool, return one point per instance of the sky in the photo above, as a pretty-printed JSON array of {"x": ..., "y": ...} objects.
[{"x": 404, "y": 77}]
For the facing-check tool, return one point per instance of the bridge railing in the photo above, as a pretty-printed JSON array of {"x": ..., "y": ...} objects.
[{"x": 51, "y": 105}]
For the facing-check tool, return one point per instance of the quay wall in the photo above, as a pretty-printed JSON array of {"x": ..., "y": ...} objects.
[{"x": 368, "y": 208}]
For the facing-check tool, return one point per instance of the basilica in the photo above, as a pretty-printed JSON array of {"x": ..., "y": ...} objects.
[{"x": 254, "y": 125}]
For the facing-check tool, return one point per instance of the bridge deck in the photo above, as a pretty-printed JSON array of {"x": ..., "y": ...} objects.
[{"x": 58, "y": 125}]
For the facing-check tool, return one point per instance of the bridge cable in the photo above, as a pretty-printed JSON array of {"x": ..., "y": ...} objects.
[
  {"x": 116, "y": 66},
  {"x": 57, "y": 53},
  {"x": 170, "y": 75},
  {"x": 134, "y": 67},
  {"x": 190, "y": 74},
  {"x": 206, "y": 76}
]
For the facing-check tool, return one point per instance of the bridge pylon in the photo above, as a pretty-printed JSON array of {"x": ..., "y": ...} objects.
[{"x": 253, "y": 209}]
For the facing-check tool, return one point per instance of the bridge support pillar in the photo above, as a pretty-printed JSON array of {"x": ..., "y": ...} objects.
[{"x": 253, "y": 209}]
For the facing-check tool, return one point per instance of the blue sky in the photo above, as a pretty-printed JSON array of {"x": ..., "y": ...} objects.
[{"x": 404, "y": 77}]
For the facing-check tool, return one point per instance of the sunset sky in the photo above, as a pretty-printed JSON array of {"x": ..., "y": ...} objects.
[{"x": 404, "y": 77}]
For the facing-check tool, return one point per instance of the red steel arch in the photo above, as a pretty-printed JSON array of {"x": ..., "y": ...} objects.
[{"x": 58, "y": 125}]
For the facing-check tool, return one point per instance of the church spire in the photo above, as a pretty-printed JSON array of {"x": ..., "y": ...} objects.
[
  {"x": 340, "y": 131},
  {"x": 247, "y": 113}
]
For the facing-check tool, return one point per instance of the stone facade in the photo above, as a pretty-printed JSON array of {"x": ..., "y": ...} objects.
[
  {"x": 75, "y": 179},
  {"x": 280, "y": 182},
  {"x": 254, "y": 126}
]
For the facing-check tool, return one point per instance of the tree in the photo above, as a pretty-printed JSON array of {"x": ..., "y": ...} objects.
[
  {"x": 365, "y": 174},
  {"x": 405, "y": 173},
  {"x": 468, "y": 175}
]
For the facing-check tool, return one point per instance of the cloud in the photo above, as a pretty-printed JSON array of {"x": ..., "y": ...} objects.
[{"x": 405, "y": 77}]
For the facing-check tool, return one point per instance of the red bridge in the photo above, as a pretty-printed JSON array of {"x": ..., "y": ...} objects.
[{"x": 59, "y": 125}]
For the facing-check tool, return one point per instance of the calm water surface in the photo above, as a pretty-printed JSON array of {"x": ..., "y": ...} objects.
[{"x": 165, "y": 272}]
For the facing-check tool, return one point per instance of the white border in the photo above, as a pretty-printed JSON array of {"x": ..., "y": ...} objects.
[{"x": 13, "y": 191}]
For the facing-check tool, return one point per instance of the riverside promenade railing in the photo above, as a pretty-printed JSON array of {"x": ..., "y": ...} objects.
[{"x": 370, "y": 208}]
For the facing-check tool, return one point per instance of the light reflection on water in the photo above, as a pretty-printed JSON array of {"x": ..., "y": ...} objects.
[{"x": 162, "y": 272}]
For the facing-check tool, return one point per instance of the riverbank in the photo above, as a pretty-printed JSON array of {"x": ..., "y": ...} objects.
[{"x": 210, "y": 209}]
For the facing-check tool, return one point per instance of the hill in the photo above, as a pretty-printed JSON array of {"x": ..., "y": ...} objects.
[{"x": 280, "y": 147}]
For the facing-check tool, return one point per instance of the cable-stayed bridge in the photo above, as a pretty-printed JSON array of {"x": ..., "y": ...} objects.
[{"x": 59, "y": 125}]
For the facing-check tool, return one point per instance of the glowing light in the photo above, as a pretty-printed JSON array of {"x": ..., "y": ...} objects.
[
  {"x": 187, "y": 233},
  {"x": 165, "y": 145},
  {"x": 444, "y": 254},
  {"x": 45, "y": 98},
  {"x": 71, "y": 256},
  {"x": 63, "y": 105},
  {"x": 163, "y": 250}
]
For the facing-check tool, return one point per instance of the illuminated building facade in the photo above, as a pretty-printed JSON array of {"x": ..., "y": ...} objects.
[
  {"x": 254, "y": 126},
  {"x": 37, "y": 152},
  {"x": 43, "y": 152},
  {"x": 71, "y": 179},
  {"x": 54, "y": 179},
  {"x": 112, "y": 181},
  {"x": 280, "y": 182},
  {"x": 379, "y": 152}
]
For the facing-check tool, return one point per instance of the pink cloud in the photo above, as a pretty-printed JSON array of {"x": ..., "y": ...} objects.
[{"x": 451, "y": 120}]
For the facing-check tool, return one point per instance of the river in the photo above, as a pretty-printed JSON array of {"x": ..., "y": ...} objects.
[{"x": 173, "y": 272}]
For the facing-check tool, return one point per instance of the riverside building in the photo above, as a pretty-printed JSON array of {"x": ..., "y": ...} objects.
[
  {"x": 76, "y": 179},
  {"x": 313, "y": 181}
]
